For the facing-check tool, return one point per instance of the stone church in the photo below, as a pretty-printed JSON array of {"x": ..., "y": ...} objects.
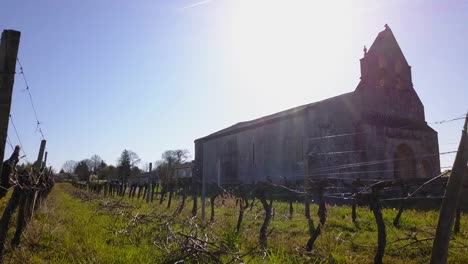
[{"x": 377, "y": 131}]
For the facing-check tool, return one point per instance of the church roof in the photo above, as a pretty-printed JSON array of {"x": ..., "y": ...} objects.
[
  {"x": 386, "y": 44},
  {"x": 289, "y": 113}
]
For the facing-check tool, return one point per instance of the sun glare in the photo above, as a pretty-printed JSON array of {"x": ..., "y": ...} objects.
[{"x": 279, "y": 45}]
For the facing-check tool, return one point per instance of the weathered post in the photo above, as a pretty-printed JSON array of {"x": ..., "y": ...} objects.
[
  {"x": 197, "y": 174},
  {"x": 153, "y": 191},
  {"x": 150, "y": 184},
  {"x": 450, "y": 202},
  {"x": 6, "y": 217},
  {"x": 171, "y": 193},
  {"x": 212, "y": 205},
  {"x": 145, "y": 188},
  {"x": 8, "y": 55},
  {"x": 456, "y": 227},
  {"x": 7, "y": 169},
  {"x": 21, "y": 218},
  {"x": 139, "y": 190},
  {"x": 40, "y": 155},
  {"x": 291, "y": 208},
  {"x": 306, "y": 187},
  {"x": 163, "y": 192},
  {"x": 354, "y": 190},
  {"x": 203, "y": 197},
  {"x": 44, "y": 164}
]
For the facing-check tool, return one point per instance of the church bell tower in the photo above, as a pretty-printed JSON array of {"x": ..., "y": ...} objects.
[
  {"x": 386, "y": 83},
  {"x": 384, "y": 65}
]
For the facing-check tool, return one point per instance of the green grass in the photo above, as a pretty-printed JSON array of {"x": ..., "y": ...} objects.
[
  {"x": 67, "y": 230},
  {"x": 73, "y": 226}
]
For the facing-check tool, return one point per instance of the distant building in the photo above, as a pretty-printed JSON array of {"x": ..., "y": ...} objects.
[
  {"x": 181, "y": 171},
  {"x": 65, "y": 176},
  {"x": 376, "y": 131},
  {"x": 143, "y": 178},
  {"x": 184, "y": 170}
]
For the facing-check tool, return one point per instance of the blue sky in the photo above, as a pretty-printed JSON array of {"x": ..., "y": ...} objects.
[{"x": 108, "y": 75}]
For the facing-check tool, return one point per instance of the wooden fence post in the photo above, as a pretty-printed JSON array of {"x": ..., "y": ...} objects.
[
  {"x": 197, "y": 175},
  {"x": 21, "y": 217},
  {"x": 450, "y": 201},
  {"x": 150, "y": 184},
  {"x": 306, "y": 187},
  {"x": 354, "y": 190},
  {"x": 139, "y": 191},
  {"x": 8, "y": 55},
  {"x": 212, "y": 206},
  {"x": 171, "y": 193},
  {"x": 44, "y": 164},
  {"x": 456, "y": 227},
  {"x": 8, "y": 167},
  {"x": 6, "y": 217},
  {"x": 145, "y": 187},
  {"x": 203, "y": 196},
  {"x": 40, "y": 155}
]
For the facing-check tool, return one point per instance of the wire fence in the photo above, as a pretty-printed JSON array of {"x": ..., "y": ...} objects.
[{"x": 38, "y": 124}]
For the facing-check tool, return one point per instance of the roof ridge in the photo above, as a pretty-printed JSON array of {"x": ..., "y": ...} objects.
[{"x": 243, "y": 125}]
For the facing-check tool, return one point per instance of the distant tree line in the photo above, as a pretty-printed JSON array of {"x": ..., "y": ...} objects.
[{"x": 126, "y": 166}]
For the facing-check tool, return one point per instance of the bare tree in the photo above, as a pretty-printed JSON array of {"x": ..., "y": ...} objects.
[
  {"x": 145, "y": 166},
  {"x": 69, "y": 166},
  {"x": 95, "y": 162},
  {"x": 173, "y": 157}
]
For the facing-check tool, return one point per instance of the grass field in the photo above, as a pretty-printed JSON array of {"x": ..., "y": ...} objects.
[{"x": 74, "y": 226}]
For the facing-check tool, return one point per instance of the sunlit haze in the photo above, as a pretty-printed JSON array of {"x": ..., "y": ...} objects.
[{"x": 156, "y": 75}]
